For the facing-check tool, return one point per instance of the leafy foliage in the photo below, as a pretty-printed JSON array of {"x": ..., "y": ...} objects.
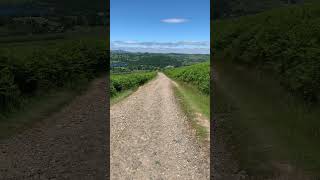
[
  {"x": 234, "y": 8},
  {"x": 44, "y": 69},
  {"x": 121, "y": 82},
  {"x": 197, "y": 75},
  {"x": 284, "y": 42}
]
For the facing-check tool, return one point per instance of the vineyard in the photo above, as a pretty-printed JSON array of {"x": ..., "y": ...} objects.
[
  {"x": 197, "y": 75},
  {"x": 283, "y": 42},
  {"x": 66, "y": 64},
  {"x": 122, "y": 82}
]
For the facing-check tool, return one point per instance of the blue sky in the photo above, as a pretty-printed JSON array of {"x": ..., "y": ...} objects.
[{"x": 160, "y": 25}]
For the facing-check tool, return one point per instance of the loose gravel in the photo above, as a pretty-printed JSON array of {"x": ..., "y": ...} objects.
[{"x": 151, "y": 138}]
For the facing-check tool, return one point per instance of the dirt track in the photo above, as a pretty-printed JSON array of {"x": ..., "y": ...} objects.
[
  {"x": 151, "y": 138},
  {"x": 69, "y": 145}
]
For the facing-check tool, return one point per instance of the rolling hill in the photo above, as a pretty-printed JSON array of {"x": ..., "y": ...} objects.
[{"x": 235, "y": 8}]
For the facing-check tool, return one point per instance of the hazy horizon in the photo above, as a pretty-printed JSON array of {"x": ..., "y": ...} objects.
[{"x": 162, "y": 47}]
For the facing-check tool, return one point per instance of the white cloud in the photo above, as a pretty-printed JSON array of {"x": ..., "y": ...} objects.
[{"x": 174, "y": 20}]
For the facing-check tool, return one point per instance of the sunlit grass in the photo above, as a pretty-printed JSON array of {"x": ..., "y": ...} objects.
[{"x": 192, "y": 101}]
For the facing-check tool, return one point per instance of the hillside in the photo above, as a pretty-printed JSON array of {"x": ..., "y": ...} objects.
[
  {"x": 235, "y": 8},
  {"x": 126, "y": 61},
  {"x": 267, "y": 90},
  {"x": 282, "y": 41},
  {"x": 59, "y": 6}
]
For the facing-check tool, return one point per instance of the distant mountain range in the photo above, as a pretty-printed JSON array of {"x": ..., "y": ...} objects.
[{"x": 119, "y": 51}]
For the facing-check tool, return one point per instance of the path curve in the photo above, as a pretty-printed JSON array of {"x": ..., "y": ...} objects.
[{"x": 151, "y": 138}]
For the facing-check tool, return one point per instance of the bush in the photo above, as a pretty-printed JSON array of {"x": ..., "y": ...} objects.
[
  {"x": 8, "y": 89},
  {"x": 197, "y": 75},
  {"x": 49, "y": 68},
  {"x": 282, "y": 41},
  {"x": 123, "y": 82}
]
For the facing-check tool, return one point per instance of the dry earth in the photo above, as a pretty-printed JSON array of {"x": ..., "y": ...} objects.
[
  {"x": 72, "y": 144},
  {"x": 152, "y": 139}
]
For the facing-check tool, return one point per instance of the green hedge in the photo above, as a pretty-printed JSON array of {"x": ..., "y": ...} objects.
[
  {"x": 123, "y": 82},
  {"x": 197, "y": 75},
  {"x": 45, "y": 69},
  {"x": 285, "y": 42}
]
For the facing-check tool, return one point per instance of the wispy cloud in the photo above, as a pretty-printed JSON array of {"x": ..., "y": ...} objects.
[
  {"x": 174, "y": 20},
  {"x": 191, "y": 47}
]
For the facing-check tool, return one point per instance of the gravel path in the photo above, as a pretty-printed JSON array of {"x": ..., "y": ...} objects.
[
  {"x": 72, "y": 144},
  {"x": 151, "y": 138}
]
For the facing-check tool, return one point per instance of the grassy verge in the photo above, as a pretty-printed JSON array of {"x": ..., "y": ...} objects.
[
  {"x": 265, "y": 126},
  {"x": 192, "y": 101},
  {"x": 120, "y": 96},
  {"x": 193, "y": 94},
  {"x": 36, "y": 108}
]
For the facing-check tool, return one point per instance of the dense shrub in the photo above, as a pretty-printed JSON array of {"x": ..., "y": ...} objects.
[
  {"x": 197, "y": 75},
  {"x": 49, "y": 68},
  {"x": 283, "y": 41},
  {"x": 8, "y": 89},
  {"x": 121, "y": 82}
]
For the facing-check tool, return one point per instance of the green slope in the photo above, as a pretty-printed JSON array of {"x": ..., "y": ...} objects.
[{"x": 267, "y": 92}]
